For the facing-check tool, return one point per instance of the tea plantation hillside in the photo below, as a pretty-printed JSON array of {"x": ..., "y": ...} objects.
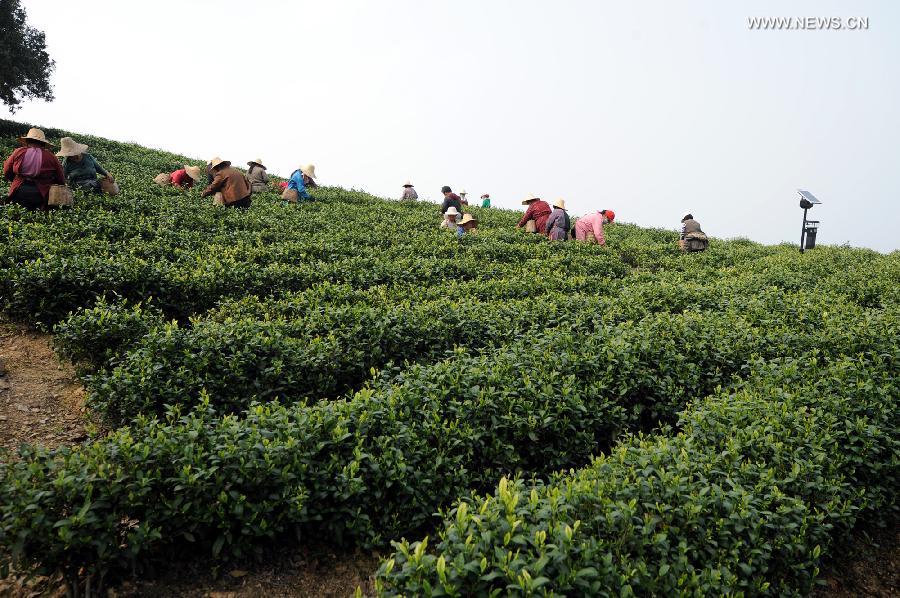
[{"x": 516, "y": 416}]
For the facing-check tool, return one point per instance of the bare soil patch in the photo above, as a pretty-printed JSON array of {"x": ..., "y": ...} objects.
[
  {"x": 41, "y": 398},
  {"x": 869, "y": 567}
]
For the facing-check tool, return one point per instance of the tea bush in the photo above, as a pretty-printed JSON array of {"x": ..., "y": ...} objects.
[{"x": 343, "y": 370}]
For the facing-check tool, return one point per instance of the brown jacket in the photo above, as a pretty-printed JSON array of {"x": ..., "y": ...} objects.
[{"x": 232, "y": 183}]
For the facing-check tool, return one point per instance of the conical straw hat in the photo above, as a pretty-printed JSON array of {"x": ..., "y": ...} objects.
[
  {"x": 192, "y": 171},
  {"x": 309, "y": 170},
  {"x": 560, "y": 203},
  {"x": 34, "y": 135},
  {"x": 468, "y": 218},
  {"x": 217, "y": 160},
  {"x": 258, "y": 162},
  {"x": 69, "y": 147},
  {"x": 531, "y": 197}
]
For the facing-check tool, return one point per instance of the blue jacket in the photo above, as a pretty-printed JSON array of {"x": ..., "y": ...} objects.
[{"x": 296, "y": 182}]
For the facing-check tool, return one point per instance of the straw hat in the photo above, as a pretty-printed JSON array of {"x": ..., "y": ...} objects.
[
  {"x": 258, "y": 162},
  {"x": 468, "y": 218},
  {"x": 407, "y": 184},
  {"x": 463, "y": 192},
  {"x": 531, "y": 197},
  {"x": 309, "y": 170},
  {"x": 560, "y": 203},
  {"x": 215, "y": 162},
  {"x": 69, "y": 147},
  {"x": 192, "y": 171},
  {"x": 451, "y": 211},
  {"x": 34, "y": 135}
]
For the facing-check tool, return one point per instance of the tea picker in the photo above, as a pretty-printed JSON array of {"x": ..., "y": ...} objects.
[
  {"x": 231, "y": 183},
  {"x": 259, "y": 178},
  {"x": 409, "y": 192},
  {"x": 80, "y": 168},
  {"x": 34, "y": 171},
  {"x": 535, "y": 218},
  {"x": 590, "y": 228},
  {"x": 692, "y": 238},
  {"x": 558, "y": 224},
  {"x": 295, "y": 190}
]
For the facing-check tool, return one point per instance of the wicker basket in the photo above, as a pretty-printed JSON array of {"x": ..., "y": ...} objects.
[
  {"x": 109, "y": 186},
  {"x": 60, "y": 195}
]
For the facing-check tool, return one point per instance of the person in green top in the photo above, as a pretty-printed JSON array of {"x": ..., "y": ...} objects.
[
  {"x": 80, "y": 168},
  {"x": 486, "y": 200}
]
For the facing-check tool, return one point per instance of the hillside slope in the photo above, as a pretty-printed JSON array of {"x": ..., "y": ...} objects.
[{"x": 342, "y": 370}]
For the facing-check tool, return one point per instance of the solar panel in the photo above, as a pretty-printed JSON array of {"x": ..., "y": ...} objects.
[{"x": 808, "y": 196}]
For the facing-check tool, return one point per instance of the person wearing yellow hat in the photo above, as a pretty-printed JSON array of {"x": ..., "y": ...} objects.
[
  {"x": 467, "y": 225},
  {"x": 558, "y": 224},
  {"x": 231, "y": 183},
  {"x": 259, "y": 178},
  {"x": 298, "y": 181},
  {"x": 409, "y": 192},
  {"x": 81, "y": 168},
  {"x": 183, "y": 178},
  {"x": 32, "y": 169}
]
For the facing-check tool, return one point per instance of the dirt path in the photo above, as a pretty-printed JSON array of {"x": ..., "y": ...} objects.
[{"x": 41, "y": 399}]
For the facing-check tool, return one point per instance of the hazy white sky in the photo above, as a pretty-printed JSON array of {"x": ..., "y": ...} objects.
[{"x": 649, "y": 108}]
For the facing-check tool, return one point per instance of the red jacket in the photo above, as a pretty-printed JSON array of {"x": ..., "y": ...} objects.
[
  {"x": 50, "y": 173},
  {"x": 538, "y": 211},
  {"x": 180, "y": 178}
]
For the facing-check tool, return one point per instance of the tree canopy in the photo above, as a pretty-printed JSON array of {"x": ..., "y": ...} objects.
[{"x": 25, "y": 66}]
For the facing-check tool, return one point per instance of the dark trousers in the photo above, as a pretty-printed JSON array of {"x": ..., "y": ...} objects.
[
  {"x": 91, "y": 185},
  {"x": 28, "y": 196},
  {"x": 241, "y": 203}
]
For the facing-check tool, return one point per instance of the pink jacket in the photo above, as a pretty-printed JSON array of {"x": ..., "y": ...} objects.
[{"x": 593, "y": 224}]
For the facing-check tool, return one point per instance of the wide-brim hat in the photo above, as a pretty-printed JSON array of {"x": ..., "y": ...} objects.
[
  {"x": 217, "y": 161},
  {"x": 531, "y": 197},
  {"x": 309, "y": 170},
  {"x": 407, "y": 184},
  {"x": 485, "y": 195},
  {"x": 462, "y": 192},
  {"x": 192, "y": 171},
  {"x": 560, "y": 203},
  {"x": 468, "y": 218},
  {"x": 69, "y": 147},
  {"x": 34, "y": 135},
  {"x": 451, "y": 211},
  {"x": 258, "y": 162}
]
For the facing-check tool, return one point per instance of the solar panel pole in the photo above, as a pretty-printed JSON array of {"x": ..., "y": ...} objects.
[{"x": 803, "y": 232}]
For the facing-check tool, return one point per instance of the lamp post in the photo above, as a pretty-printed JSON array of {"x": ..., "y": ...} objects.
[{"x": 810, "y": 227}]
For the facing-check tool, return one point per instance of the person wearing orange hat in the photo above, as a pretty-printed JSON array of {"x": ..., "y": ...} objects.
[
  {"x": 590, "y": 228},
  {"x": 33, "y": 169}
]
